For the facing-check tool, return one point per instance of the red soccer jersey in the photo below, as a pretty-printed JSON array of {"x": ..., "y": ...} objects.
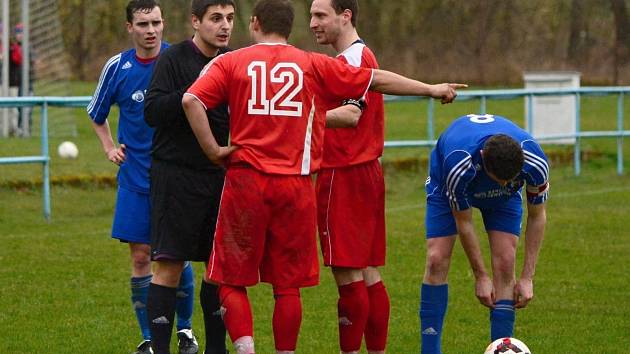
[
  {"x": 352, "y": 146},
  {"x": 273, "y": 91}
]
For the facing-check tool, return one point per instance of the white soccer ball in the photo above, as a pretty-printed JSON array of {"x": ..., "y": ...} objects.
[
  {"x": 507, "y": 346},
  {"x": 68, "y": 150}
]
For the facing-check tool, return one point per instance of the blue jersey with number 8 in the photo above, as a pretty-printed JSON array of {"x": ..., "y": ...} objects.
[{"x": 456, "y": 171}]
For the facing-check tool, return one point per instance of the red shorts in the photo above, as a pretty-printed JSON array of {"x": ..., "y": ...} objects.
[
  {"x": 351, "y": 215},
  {"x": 265, "y": 231}
]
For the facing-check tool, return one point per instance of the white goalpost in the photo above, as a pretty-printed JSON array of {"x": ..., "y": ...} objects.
[{"x": 44, "y": 71}]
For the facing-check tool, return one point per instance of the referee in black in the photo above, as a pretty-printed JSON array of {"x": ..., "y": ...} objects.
[{"x": 185, "y": 185}]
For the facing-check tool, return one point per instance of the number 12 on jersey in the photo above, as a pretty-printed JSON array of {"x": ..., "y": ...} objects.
[{"x": 283, "y": 103}]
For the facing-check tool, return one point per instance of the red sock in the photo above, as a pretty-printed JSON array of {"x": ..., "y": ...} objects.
[
  {"x": 237, "y": 314},
  {"x": 352, "y": 308},
  {"x": 378, "y": 319},
  {"x": 287, "y": 317}
]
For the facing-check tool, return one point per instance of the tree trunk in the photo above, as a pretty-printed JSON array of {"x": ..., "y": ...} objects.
[
  {"x": 622, "y": 36},
  {"x": 82, "y": 40},
  {"x": 486, "y": 12},
  {"x": 577, "y": 34}
]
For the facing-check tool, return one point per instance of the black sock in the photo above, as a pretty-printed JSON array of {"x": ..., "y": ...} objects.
[
  {"x": 161, "y": 311},
  {"x": 215, "y": 329}
]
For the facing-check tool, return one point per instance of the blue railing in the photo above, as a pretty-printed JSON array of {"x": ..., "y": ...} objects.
[
  {"x": 44, "y": 157},
  {"x": 482, "y": 96}
]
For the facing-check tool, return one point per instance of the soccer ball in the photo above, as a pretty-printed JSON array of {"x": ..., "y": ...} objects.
[
  {"x": 507, "y": 346},
  {"x": 68, "y": 150}
]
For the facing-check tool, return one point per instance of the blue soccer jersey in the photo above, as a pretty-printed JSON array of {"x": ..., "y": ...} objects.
[
  {"x": 456, "y": 166},
  {"x": 124, "y": 81}
]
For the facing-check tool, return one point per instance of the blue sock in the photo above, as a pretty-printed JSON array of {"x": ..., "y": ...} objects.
[
  {"x": 185, "y": 298},
  {"x": 139, "y": 293},
  {"x": 502, "y": 319},
  {"x": 433, "y": 303}
]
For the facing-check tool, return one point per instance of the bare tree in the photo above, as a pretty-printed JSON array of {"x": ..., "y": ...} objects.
[
  {"x": 479, "y": 41},
  {"x": 622, "y": 36},
  {"x": 577, "y": 34},
  {"x": 74, "y": 19}
]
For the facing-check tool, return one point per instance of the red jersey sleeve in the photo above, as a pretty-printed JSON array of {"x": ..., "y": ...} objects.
[
  {"x": 211, "y": 88},
  {"x": 339, "y": 80}
]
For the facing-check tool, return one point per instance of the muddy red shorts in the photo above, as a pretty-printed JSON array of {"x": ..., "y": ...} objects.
[{"x": 265, "y": 231}]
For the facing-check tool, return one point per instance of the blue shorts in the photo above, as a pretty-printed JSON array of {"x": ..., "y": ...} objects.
[
  {"x": 132, "y": 217},
  {"x": 506, "y": 217}
]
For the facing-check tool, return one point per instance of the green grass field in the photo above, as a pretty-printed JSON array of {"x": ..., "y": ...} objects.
[{"x": 65, "y": 283}]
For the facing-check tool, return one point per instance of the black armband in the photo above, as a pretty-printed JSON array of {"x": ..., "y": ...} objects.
[{"x": 357, "y": 103}]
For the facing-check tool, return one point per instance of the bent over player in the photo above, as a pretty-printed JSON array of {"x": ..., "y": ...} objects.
[
  {"x": 483, "y": 161},
  {"x": 124, "y": 81},
  {"x": 351, "y": 189},
  {"x": 267, "y": 217}
]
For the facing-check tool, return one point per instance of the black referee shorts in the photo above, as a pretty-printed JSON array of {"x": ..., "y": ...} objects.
[{"x": 184, "y": 208}]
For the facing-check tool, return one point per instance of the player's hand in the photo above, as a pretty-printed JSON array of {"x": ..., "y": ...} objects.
[
  {"x": 446, "y": 92},
  {"x": 218, "y": 156},
  {"x": 523, "y": 292},
  {"x": 484, "y": 290},
  {"x": 117, "y": 155}
]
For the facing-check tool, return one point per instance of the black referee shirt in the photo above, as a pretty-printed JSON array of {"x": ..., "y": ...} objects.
[{"x": 174, "y": 141}]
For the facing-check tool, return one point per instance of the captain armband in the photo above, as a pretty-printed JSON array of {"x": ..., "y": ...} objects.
[
  {"x": 360, "y": 104},
  {"x": 537, "y": 191}
]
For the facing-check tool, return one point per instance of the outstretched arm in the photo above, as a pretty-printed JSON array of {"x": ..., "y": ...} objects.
[
  {"x": 483, "y": 284},
  {"x": 534, "y": 235},
  {"x": 393, "y": 84}
]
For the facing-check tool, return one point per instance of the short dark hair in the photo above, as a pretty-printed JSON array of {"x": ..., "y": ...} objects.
[
  {"x": 199, "y": 7},
  {"x": 503, "y": 156},
  {"x": 140, "y": 5},
  {"x": 275, "y": 16},
  {"x": 342, "y": 5}
]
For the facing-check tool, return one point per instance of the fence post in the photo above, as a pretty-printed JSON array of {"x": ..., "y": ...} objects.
[
  {"x": 46, "y": 181},
  {"x": 620, "y": 137},
  {"x": 4, "y": 65},
  {"x": 578, "y": 139},
  {"x": 530, "y": 114},
  {"x": 430, "y": 126},
  {"x": 482, "y": 105}
]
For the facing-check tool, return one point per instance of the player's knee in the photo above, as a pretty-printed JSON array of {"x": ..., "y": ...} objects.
[
  {"x": 371, "y": 275},
  {"x": 141, "y": 261},
  {"x": 345, "y": 276},
  {"x": 503, "y": 265},
  {"x": 438, "y": 261},
  {"x": 167, "y": 273}
]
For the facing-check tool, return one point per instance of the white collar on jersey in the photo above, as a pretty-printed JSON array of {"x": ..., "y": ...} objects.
[{"x": 270, "y": 43}]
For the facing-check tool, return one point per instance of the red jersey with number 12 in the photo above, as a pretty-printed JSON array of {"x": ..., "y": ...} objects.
[{"x": 275, "y": 92}]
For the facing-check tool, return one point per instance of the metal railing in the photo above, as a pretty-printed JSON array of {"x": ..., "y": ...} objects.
[
  {"x": 44, "y": 157},
  {"x": 529, "y": 94},
  {"x": 482, "y": 96}
]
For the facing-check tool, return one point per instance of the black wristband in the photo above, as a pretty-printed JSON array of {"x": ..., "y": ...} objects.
[{"x": 356, "y": 103}]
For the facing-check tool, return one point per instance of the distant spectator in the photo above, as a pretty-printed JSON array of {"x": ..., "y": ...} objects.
[
  {"x": 15, "y": 73},
  {"x": 15, "y": 78},
  {"x": 15, "y": 56}
]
